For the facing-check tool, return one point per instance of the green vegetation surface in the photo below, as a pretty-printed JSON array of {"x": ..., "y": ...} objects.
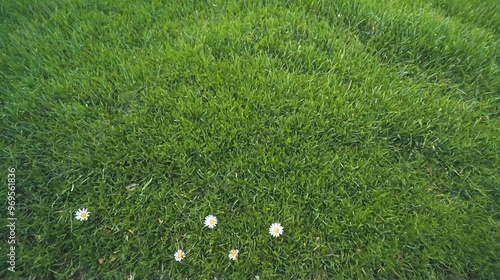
[{"x": 368, "y": 129}]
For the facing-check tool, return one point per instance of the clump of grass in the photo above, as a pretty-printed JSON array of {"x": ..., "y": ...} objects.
[{"x": 369, "y": 131}]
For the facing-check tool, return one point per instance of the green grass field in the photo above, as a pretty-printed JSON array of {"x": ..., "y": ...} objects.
[{"x": 369, "y": 129}]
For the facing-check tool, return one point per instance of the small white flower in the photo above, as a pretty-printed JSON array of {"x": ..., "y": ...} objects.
[
  {"x": 210, "y": 221},
  {"x": 179, "y": 255},
  {"x": 276, "y": 230},
  {"x": 233, "y": 254},
  {"x": 82, "y": 214}
]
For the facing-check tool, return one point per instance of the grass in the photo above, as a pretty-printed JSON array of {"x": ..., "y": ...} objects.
[{"x": 369, "y": 130}]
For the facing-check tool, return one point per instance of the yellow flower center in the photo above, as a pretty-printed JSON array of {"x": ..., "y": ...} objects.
[
  {"x": 83, "y": 215},
  {"x": 276, "y": 230},
  {"x": 211, "y": 221},
  {"x": 233, "y": 253},
  {"x": 180, "y": 255}
]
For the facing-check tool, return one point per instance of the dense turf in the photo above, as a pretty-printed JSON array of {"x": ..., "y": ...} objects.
[{"x": 369, "y": 130}]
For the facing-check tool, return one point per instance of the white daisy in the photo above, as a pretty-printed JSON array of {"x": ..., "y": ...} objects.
[
  {"x": 210, "y": 221},
  {"x": 233, "y": 254},
  {"x": 179, "y": 255},
  {"x": 82, "y": 214},
  {"x": 276, "y": 230}
]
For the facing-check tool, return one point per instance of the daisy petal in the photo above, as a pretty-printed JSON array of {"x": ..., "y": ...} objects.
[
  {"x": 179, "y": 255},
  {"x": 82, "y": 214},
  {"x": 276, "y": 229},
  {"x": 210, "y": 221}
]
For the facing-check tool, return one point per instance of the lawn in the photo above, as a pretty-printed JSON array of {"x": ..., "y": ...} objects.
[{"x": 369, "y": 130}]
